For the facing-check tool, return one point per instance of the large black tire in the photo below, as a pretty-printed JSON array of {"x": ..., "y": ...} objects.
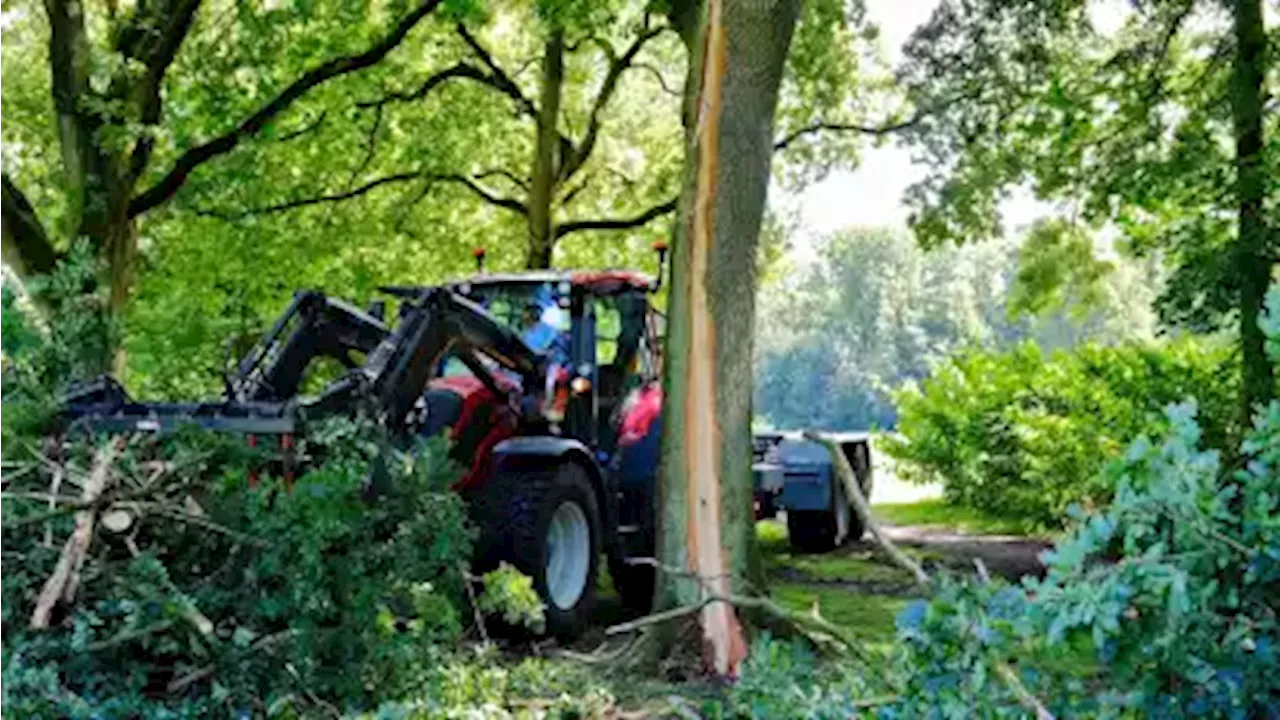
[
  {"x": 514, "y": 512},
  {"x": 811, "y": 531}
]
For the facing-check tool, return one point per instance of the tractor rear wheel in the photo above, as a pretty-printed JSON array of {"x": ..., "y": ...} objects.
[{"x": 544, "y": 520}]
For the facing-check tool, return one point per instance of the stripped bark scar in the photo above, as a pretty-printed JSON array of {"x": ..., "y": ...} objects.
[{"x": 722, "y": 633}]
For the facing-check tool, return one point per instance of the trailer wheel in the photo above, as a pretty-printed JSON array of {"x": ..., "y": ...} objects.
[
  {"x": 818, "y": 531},
  {"x": 544, "y": 520}
]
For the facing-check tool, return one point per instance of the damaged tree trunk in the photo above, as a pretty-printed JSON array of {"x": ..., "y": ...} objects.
[{"x": 706, "y": 516}]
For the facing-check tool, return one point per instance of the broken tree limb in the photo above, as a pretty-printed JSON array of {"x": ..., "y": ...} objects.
[
  {"x": 66, "y": 574},
  {"x": 849, "y": 481},
  {"x": 817, "y": 628},
  {"x": 1029, "y": 701},
  {"x": 69, "y": 506},
  {"x": 177, "y": 685},
  {"x": 1007, "y": 674}
]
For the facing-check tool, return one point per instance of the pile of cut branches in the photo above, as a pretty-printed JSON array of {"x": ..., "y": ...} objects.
[{"x": 147, "y": 575}]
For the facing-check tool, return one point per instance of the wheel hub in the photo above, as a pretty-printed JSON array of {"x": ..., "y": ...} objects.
[{"x": 568, "y": 555}]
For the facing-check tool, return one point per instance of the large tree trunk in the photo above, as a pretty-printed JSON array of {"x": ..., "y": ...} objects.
[
  {"x": 545, "y": 168},
  {"x": 98, "y": 188},
  {"x": 1255, "y": 249},
  {"x": 706, "y": 514}
]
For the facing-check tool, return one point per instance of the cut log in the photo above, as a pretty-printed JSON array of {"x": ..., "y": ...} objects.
[{"x": 65, "y": 579}]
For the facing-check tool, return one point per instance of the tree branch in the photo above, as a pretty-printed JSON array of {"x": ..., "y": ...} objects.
[
  {"x": 371, "y": 146},
  {"x": 522, "y": 183},
  {"x": 26, "y": 246},
  {"x": 317, "y": 200},
  {"x": 818, "y": 127},
  {"x": 305, "y": 129},
  {"x": 460, "y": 70},
  {"x": 617, "y": 66},
  {"x": 574, "y": 192},
  {"x": 502, "y": 202},
  {"x": 157, "y": 58},
  {"x": 193, "y": 158},
  {"x": 853, "y": 492},
  {"x": 469, "y": 183},
  {"x": 617, "y": 224},
  {"x": 662, "y": 81},
  {"x": 499, "y": 79}
]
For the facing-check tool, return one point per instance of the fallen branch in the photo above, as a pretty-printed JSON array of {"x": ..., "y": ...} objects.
[
  {"x": 62, "y": 584},
  {"x": 659, "y": 617},
  {"x": 849, "y": 481},
  {"x": 129, "y": 636},
  {"x": 1029, "y": 701},
  {"x": 177, "y": 685},
  {"x": 467, "y": 579},
  {"x": 55, "y": 486},
  {"x": 189, "y": 518},
  {"x": 598, "y": 656},
  {"x": 72, "y": 506},
  {"x": 814, "y": 626},
  {"x": 1006, "y": 673}
]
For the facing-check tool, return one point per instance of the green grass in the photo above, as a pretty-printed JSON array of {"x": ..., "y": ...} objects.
[
  {"x": 870, "y": 617},
  {"x": 941, "y": 514}
]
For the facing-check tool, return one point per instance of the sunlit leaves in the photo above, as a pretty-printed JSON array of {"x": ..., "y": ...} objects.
[
  {"x": 1129, "y": 120},
  {"x": 1058, "y": 270}
]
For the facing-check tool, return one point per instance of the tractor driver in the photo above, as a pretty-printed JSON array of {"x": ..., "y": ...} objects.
[{"x": 544, "y": 327}]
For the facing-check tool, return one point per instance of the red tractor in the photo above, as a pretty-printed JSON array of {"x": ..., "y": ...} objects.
[{"x": 547, "y": 385}]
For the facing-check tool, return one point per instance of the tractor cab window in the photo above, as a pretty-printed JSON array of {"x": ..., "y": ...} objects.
[
  {"x": 608, "y": 330},
  {"x": 533, "y": 310}
]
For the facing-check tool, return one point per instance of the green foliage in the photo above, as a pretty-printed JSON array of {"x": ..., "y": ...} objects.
[
  {"x": 1183, "y": 623},
  {"x": 510, "y": 594},
  {"x": 42, "y": 357},
  {"x": 839, "y": 334},
  {"x": 1057, "y": 270},
  {"x": 782, "y": 679},
  {"x": 1121, "y": 115},
  {"x": 224, "y": 596},
  {"x": 482, "y": 686},
  {"x": 1024, "y": 434}
]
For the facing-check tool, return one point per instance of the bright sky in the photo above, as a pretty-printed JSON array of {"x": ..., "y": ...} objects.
[{"x": 872, "y": 194}]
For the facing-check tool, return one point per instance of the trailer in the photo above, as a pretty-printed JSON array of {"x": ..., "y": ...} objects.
[{"x": 796, "y": 477}]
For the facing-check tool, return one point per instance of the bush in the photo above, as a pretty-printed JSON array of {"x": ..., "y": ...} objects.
[
  {"x": 42, "y": 357},
  {"x": 209, "y": 595},
  {"x": 1183, "y": 624},
  {"x": 1025, "y": 435},
  {"x": 1164, "y": 604}
]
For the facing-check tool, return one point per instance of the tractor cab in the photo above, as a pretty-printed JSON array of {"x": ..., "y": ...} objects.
[{"x": 597, "y": 331}]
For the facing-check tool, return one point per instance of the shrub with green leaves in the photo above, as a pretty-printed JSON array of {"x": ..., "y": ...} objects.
[
  {"x": 41, "y": 357},
  {"x": 1024, "y": 434},
  {"x": 1182, "y": 624},
  {"x": 210, "y": 594}
]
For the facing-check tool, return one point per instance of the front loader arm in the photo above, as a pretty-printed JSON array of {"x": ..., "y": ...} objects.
[
  {"x": 314, "y": 325},
  {"x": 437, "y": 323}
]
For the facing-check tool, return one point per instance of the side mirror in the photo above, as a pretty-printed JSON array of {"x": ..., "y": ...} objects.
[{"x": 660, "y": 247}]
